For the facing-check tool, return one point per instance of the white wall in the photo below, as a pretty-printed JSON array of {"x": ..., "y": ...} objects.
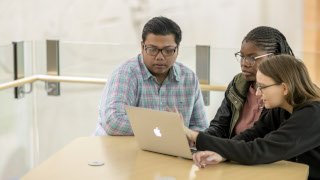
[{"x": 222, "y": 23}]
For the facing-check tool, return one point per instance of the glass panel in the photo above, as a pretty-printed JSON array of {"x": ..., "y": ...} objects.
[
  {"x": 223, "y": 67},
  {"x": 93, "y": 59},
  {"x": 75, "y": 112},
  {"x": 16, "y": 133},
  {"x": 6, "y": 63},
  {"x": 63, "y": 118}
]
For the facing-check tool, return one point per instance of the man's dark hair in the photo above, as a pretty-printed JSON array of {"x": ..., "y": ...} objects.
[
  {"x": 269, "y": 39},
  {"x": 162, "y": 26}
]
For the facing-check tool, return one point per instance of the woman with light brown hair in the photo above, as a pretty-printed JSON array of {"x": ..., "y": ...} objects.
[
  {"x": 294, "y": 75},
  {"x": 291, "y": 132}
]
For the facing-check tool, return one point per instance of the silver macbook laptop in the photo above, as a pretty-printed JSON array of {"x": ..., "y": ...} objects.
[{"x": 159, "y": 131}]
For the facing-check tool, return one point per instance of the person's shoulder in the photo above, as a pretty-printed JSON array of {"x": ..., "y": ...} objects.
[
  {"x": 128, "y": 67},
  {"x": 313, "y": 106},
  {"x": 240, "y": 85},
  {"x": 239, "y": 78},
  {"x": 183, "y": 69},
  {"x": 236, "y": 80},
  {"x": 309, "y": 111}
]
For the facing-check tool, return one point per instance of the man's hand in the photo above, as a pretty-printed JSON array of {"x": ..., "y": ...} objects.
[{"x": 191, "y": 135}]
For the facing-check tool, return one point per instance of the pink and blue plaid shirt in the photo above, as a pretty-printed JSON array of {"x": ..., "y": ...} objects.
[{"x": 132, "y": 84}]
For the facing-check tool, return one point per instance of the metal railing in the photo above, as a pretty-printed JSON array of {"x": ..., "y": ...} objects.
[{"x": 86, "y": 80}]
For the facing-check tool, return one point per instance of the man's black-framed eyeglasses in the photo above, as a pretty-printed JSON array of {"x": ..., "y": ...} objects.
[
  {"x": 263, "y": 87},
  {"x": 249, "y": 60},
  {"x": 153, "y": 51}
]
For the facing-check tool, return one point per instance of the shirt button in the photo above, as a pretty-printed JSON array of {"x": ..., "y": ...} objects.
[{"x": 236, "y": 102}]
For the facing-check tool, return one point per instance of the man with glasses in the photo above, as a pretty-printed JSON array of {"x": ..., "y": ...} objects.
[{"x": 152, "y": 80}]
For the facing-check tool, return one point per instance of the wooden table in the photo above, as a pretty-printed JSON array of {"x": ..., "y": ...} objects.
[{"x": 124, "y": 160}]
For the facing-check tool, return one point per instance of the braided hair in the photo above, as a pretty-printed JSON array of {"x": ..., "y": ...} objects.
[{"x": 269, "y": 39}]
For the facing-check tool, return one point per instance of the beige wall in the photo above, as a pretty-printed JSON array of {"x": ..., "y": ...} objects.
[{"x": 311, "y": 43}]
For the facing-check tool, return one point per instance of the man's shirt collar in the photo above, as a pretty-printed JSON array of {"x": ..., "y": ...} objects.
[{"x": 174, "y": 72}]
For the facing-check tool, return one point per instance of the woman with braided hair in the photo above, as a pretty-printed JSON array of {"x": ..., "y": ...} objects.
[{"x": 240, "y": 107}]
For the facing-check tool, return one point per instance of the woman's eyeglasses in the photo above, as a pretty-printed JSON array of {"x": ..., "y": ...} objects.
[{"x": 249, "y": 60}]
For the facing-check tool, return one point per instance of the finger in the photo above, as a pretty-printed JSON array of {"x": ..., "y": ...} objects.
[
  {"x": 197, "y": 156},
  {"x": 181, "y": 117},
  {"x": 169, "y": 109},
  {"x": 194, "y": 157},
  {"x": 199, "y": 165},
  {"x": 203, "y": 164},
  {"x": 175, "y": 109},
  {"x": 195, "y": 160},
  {"x": 202, "y": 153},
  {"x": 191, "y": 143},
  {"x": 204, "y": 156}
]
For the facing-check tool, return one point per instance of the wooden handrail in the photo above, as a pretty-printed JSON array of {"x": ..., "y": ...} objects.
[{"x": 85, "y": 80}]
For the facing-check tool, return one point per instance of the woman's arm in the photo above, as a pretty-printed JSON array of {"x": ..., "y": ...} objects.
[{"x": 296, "y": 135}]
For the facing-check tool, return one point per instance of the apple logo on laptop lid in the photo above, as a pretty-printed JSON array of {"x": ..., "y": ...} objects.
[{"x": 157, "y": 132}]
